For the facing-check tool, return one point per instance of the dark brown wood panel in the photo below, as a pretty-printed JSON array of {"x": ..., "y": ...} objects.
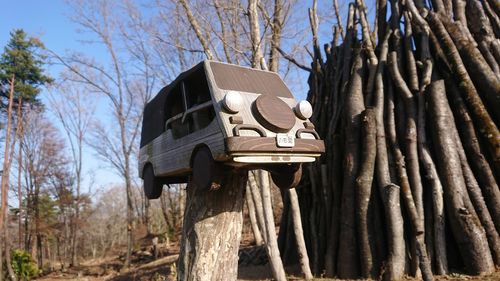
[
  {"x": 273, "y": 113},
  {"x": 259, "y": 144},
  {"x": 244, "y": 79}
]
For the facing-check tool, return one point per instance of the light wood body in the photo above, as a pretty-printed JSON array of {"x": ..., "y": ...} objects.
[{"x": 172, "y": 157}]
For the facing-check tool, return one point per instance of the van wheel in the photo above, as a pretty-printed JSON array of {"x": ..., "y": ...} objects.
[
  {"x": 286, "y": 177},
  {"x": 204, "y": 169},
  {"x": 152, "y": 185}
]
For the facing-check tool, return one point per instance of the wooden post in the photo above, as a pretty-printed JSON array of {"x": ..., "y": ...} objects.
[{"x": 212, "y": 230}]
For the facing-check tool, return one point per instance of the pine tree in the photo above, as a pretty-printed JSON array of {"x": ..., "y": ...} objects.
[{"x": 22, "y": 59}]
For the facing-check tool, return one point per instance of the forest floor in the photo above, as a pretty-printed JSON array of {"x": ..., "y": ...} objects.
[
  {"x": 253, "y": 266},
  {"x": 163, "y": 269}
]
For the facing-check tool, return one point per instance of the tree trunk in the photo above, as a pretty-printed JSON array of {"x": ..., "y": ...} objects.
[
  {"x": 478, "y": 163},
  {"x": 437, "y": 219},
  {"x": 130, "y": 221},
  {"x": 271, "y": 239},
  {"x": 277, "y": 27},
  {"x": 389, "y": 192},
  {"x": 409, "y": 200},
  {"x": 257, "y": 200},
  {"x": 485, "y": 80},
  {"x": 4, "y": 210},
  {"x": 255, "y": 38},
  {"x": 10, "y": 271},
  {"x": 19, "y": 195},
  {"x": 196, "y": 27},
  {"x": 253, "y": 217},
  {"x": 478, "y": 202},
  {"x": 364, "y": 189},
  {"x": 481, "y": 117},
  {"x": 468, "y": 233},
  {"x": 1, "y": 261},
  {"x": 299, "y": 234},
  {"x": 212, "y": 230},
  {"x": 333, "y": 239},
  {"x": 393, "y": 192},
  {"x": 348, "y": 262}
]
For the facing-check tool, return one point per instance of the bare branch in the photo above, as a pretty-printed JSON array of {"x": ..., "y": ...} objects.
[
  {"x": 292, "y": 60},
  {"x": 197, "y": 29}
]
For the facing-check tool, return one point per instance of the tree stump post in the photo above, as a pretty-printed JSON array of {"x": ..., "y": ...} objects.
[{"x": 212, "y": 230}]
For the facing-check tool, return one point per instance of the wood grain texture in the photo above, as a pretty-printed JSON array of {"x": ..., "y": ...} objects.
[
  {"x": 171, "y": 156},
  {"x": 258, "y": 144},
  {"x": 244, "y": 79},
  {"x": 212, "y": 230},
  {"x": 273, "y": 113}
]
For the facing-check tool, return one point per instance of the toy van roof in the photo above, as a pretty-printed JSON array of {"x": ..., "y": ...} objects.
[{"x": 220, "y": 76}]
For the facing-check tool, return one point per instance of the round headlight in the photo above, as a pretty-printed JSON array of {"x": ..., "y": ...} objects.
[
  {"x": 303, "y": 109},
  {"x": 233, "y": 102}
]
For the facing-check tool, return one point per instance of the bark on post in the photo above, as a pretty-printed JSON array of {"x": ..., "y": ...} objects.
[{"x": 212, "y": 231}]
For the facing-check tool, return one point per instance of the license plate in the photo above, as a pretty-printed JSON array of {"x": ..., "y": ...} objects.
[{"x": 284, "y": 140}]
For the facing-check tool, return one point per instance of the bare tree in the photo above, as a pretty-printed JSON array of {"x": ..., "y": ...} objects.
[
  {"x": 75, "y": 112},
  {"x": 43, "y": 152},
  {"x": 126, "y": 91}
]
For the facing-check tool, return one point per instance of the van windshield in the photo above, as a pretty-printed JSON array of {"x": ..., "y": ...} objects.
[{"x": 237, "y": 78}]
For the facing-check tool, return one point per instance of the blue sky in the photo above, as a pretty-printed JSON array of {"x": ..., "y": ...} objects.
[
  {"x": 49, "y": 21},
  {"x": 44, "y": 19}
]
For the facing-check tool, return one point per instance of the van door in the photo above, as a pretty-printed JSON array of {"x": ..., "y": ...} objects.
[{"x": 190, "y": 121}]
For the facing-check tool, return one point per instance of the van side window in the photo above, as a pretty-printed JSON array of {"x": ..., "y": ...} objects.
[
  {"x": 198, "y": 93},
  {"x": 174, "y": 109},
  {"x": 188, "y": 107}
]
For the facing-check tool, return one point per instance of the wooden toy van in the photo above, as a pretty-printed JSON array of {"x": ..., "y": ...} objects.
[{"x": 217, "y": 116}]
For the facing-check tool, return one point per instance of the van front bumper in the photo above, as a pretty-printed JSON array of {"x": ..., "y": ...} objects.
[{"x": 268, "y": 146}]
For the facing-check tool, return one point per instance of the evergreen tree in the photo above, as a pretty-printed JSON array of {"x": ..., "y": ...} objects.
[{"x": 22, "y": 59}]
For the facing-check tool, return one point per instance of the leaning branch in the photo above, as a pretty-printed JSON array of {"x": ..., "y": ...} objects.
[
  {"x": 196, "y": 27},
  {"x": 293, "y": 60}
]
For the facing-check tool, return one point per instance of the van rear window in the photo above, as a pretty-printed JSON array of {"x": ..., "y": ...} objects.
[{"x": 236, "y": 78}]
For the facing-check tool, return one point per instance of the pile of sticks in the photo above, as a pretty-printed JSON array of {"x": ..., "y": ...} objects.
[{"x": 409, "y": 108}]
